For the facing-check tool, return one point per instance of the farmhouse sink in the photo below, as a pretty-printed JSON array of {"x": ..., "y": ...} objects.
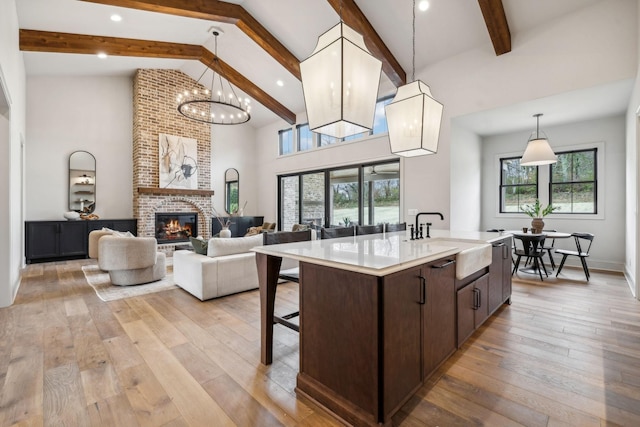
[
  {"x": 470, "y": 260},
  {"x": 472, "y": 257}
]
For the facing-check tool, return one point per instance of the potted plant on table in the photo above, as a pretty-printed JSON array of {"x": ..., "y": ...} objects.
[{"x": 537, "y": 212}]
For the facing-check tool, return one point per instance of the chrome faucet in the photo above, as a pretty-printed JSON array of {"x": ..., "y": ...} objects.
[{"x": 428, "y": 224}]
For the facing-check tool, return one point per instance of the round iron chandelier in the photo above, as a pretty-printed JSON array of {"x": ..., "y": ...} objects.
[{"x": 217, "y": 104}]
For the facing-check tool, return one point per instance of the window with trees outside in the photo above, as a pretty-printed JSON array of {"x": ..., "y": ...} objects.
[
  {"x": 573, "y": 182},
  {"x": 518, "y": 185},
  {"x": 361, "y": 194}
]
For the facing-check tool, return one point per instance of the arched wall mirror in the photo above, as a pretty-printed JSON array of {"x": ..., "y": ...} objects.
[
  {"x": 82, "y": 182},
  {"x": 231, "y": 190}
]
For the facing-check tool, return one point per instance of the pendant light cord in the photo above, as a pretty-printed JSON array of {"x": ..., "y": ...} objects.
[{"x": 413, "y": 40}]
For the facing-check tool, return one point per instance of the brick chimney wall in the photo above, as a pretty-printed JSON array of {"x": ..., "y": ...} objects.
[{"x": 155, "y": 112}]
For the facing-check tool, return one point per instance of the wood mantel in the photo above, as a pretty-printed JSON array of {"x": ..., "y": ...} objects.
[{"x": 174, "y": 191}]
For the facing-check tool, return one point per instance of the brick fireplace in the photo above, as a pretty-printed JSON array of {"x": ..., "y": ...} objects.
[{"x": 155, "y": 113}]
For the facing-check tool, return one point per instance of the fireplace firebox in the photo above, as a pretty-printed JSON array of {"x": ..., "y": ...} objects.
[{"x": 174, "y": 227}]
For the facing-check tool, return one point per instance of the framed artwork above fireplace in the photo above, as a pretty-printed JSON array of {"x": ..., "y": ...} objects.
[{"x": 178, "y": 158}]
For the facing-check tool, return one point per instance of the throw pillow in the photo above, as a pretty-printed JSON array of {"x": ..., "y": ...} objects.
[
  {"x": 199, "y": 246},
  {"x": 252, "y": 231},
  {"x": 300, "y": 227}
]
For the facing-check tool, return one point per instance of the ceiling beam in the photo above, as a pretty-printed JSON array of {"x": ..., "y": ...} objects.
[
  {"x": 218, "y": 11},
  {"x": 44, "y": 41},
  {"x": 497, "y": 25},
  {"x": 353, "y": 17}
]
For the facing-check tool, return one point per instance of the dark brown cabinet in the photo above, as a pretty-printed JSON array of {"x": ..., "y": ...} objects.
[
  {"x": 373, "y": 340},
  {"x": 439, "y": 314},
  {"x": 59, "y": 240},
  {"x": 472, "y": 302},
  {"x": 239, "y": 224},
  {"x": 500, "y": 274},
  {"x": 402, "y": 336}
]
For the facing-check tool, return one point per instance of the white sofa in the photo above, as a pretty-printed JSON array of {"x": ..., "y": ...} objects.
[{"x": 229, "y": 267}]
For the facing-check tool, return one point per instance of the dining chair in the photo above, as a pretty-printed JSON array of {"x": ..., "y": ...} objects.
[
  {"x": 402, "y": 226},
  {"x": 579, "y": 252},
  {"x": 368, "y": 229},
  {"x": 532, "y": 248},
  {"x": 550, "y": 247},
  {"x": 292, "y": 274},
  {"x": 335, "y": 232}
]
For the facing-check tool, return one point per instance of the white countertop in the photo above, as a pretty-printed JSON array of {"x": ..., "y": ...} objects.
[{"x": 381, "y": 254}]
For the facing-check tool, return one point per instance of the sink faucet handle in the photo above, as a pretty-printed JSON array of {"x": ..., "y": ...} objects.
[{"x": 411, "y": 229}]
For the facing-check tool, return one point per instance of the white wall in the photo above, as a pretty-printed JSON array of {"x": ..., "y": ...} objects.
[
  {"x": 12, "y": 80},
  {"x": 608, "y": 251},
  {"x": 234, "y": 147},
  {"x": 632, "y": 222},
  {"x": 66, "y": 114},
  {"x": 466, "y": 171}
]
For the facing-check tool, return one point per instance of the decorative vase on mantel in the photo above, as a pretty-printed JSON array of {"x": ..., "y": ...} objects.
[
  {"x": 225, "y": 232},
  {"x": 537, "y": 225}
]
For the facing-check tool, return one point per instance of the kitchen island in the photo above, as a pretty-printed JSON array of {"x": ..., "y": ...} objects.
[{"x": 378, "y": 313}]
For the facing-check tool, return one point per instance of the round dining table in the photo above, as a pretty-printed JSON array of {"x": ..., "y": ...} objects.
[{"x": 548, "y": 234}]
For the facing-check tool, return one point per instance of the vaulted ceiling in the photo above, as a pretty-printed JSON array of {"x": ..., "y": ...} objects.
[{"x": 263, "y": 41}]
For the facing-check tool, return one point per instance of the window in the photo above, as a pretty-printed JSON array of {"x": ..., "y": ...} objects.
[
  {"x": 518, "y": 185},
  {"x": 380, "y": 119},
  {"x": 327, "y": 140},
  {"x": 361, "y": 194},
  {"x": 286, "y": 141},
  {"x": 306, "y": 138},
  {"x": 573, "y": 182}
]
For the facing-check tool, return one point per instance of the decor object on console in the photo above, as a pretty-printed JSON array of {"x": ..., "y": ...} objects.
[
  {"x": 414, "y": 116},
  {"x": 536, "y": 212},
  {"x": 225, "y": 233},
  {"x": 340, "y": 83},
  {"x": 178, "y": 162},
  {"x": 82, "y": 182},
  {"x": 131, "y": 260},
  {"x": 71, "y": 215},
  {"x": 538, "y": 151},
  {"x": 218, "y": 104}
]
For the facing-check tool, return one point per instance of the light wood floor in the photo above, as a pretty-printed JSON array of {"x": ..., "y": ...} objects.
[{"x": 566, "y": 352}]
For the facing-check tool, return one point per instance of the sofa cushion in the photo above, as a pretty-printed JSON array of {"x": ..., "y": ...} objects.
[
  {"x": 236, "y": 245},
  {"x": 200, "y": 246}
]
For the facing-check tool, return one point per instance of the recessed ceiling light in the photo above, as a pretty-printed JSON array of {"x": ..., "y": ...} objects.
[
  {"x": 116, "y": 18},
  {"x": 280, "y": 83},
  {"x": 102, "y": 55},
  {"x": 423, "y": 5}
]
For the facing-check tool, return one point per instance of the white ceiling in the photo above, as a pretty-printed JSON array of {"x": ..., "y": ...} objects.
[{"x": 297, "y": 24}]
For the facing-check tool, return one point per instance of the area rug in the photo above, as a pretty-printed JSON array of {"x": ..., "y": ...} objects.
[{"x": 101, "y": 283}]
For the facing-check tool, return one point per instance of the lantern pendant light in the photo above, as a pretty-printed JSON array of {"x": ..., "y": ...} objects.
[
  {"x": 538, "y": 151},
  {"x": 414, "y": 116},
  {"x": 340, "y": 83}
]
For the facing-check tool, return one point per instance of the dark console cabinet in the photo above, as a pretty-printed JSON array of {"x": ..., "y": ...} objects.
[
  {"x": 60, "y": 240},
  {"x": 239, "y": 224}
]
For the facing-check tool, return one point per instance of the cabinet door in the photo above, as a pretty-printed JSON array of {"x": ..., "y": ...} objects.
[
  {"x": 496, "y": 275},
  {"x": 481, "y": 288},
  {"x": 472, "y": 303},
  {"x": 41, "y": 240},
  {"x": 439, "y": 314},
  {"x": 72, "y": 238},
  {"x": 506, "y": 271},
  {"x": 402, "y": 335},
  {"x": 466, "y": 304}
]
